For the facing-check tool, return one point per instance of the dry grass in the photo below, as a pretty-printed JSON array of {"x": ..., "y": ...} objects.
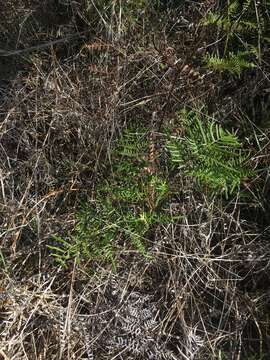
[{"x": 204, "y": 291}]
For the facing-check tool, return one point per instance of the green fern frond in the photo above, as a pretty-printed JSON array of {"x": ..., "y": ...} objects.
[
  {"x": 132, "y": 143},
  {"x": 233, "y": 21},
  {"x": 246, "y": 5},
  {"x": 240, "y": 23},
  {"x": 234, "y": 63},
  {"x": 121, "y": 211},
  {"x": 212, "y": 19},
  {"x": 248, "y": 25},
  {"x": 173, "y": 147},
  {"x": 212, "y": 155},
  {"x": 233, "y": 8},
  {"x": 64, "y": 251}
]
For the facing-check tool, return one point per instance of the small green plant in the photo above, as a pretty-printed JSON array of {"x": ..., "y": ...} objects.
[
  {"x": 234, "y": 62},
  {"x": 237, "y": 17},
  {"x": 209, "y": 153},
  {"x": 244, "y": 28},
  {"x": 127, "y": 205}
]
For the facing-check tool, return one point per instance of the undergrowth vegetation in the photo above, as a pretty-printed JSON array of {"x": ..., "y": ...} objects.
[
  {"x": 244, "y": 30},
  {"x": 134, "y": 180},
  {"x": 125, "y": 207},
  {"x": 212, "y": 155}
]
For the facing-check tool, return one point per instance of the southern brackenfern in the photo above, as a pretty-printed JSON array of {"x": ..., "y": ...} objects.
[
  {"x": 235, "y": 17},
  {"x": 244, "y": 28},
  {"x": 127, "y": 204},
  {"x": 234, "y": 62},
  {"x": 209, "y": 153}
]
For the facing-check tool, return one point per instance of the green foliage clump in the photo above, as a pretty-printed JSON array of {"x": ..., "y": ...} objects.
[
  {"x": 209, "y": 153},
  {"x": 234, "y": 62},
  {"x": 127, "y": 204},
  {"x": 237, "y": 17},
  {"x": 244, "y": 26}
]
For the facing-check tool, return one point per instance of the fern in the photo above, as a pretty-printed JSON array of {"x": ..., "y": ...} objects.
[
  {"x": 244, "y": 27},
  {"x": 63, "y": 251},
  {"x": 213, "y": 19},
  {"x": 127, "y": 205},
  {"x": 230, "y": 26},
  {"x": 232, "y": 17},
  {"x": 132, "y": 144},
  {"x": 210, "y": 154},
  {"x": 234, "y": 63}
]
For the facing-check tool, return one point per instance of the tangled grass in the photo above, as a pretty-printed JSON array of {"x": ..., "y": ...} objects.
[{"x": 74, "y": 75}]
